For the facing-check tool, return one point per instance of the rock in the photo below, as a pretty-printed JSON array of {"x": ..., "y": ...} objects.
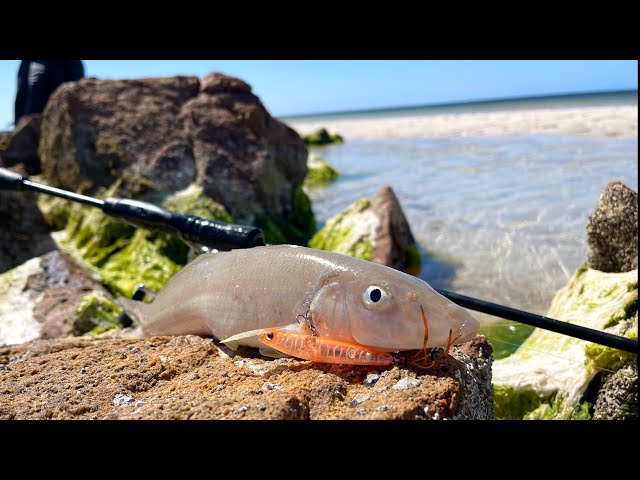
[
  {"x": 125, "y": 257},
  {"x": 375, "y": 230},
  {"x": 92, "y": 130},
  {"x": 51, "y": 296},
  {"x": 532, "y": 384},
  {"x": 216, "y": 82},
  {"x": 24, "y": 233},
  {"x": 79, "y": 378},
  {"x": 319, "y": 172},
  {"x": 612, "y": 230},
  {"x": 322, "y": 137},
  {"x": 159, "y": 135},
  {"x": 5, "y": 136},
  {"x": 618, "y": 397},
  {"x": 22, "y": 145}
]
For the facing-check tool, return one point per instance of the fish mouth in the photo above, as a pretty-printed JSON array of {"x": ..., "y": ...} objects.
[{"x": 461, "y": 328}]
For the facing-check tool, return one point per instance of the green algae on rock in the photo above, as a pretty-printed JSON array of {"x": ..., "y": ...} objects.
[
  {"x": 321, "y": 137},
  {"x": 349, "y": 232},
  {"x": 122, "y": 256},
  {"x": 375, "y": 230},
  {"x": 299, "y": 226},
  {"x": 96, "y": 314},
  {"x": 547, "y": 377},
  {"x": 319, "y": 172}
]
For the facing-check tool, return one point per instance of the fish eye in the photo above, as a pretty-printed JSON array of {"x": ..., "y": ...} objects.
[
  {"x": 270, "y": 336},
  {"x": 375, "y": 296}
]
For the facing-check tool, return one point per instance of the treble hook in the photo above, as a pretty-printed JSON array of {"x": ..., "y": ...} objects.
[{"x": 307, "y": 319}]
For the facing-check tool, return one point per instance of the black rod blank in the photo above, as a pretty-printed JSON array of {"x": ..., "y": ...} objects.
[
  {"x": 204, "y": 231},
  {"x": 546, "y": 323}
]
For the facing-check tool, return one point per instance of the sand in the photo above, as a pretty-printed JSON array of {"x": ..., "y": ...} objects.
[{"x": 600, "y": 121}]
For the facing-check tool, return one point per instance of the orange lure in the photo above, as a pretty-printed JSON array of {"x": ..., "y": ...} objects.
[{"x": 324, "y": 350}]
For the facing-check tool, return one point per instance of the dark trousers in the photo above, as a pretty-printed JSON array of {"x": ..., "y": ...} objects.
[{"x": 38, "y": 79}]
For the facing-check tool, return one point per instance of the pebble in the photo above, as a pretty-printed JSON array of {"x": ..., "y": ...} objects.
[
  {"x": 258, "y": 368},
  {"x": 359, "y": 398},
  {"x": 371, "y": 379},
  {"x": 271, "y": 386},
  {"x": 121, "y": 400},
  {"x": 407, "y": 383}
]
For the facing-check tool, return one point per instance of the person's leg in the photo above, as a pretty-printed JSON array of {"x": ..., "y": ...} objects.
[
  {"x": 38, "y": 86},
  {"x": 22, "y": 91}
]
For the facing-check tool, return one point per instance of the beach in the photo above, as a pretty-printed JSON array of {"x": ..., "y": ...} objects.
[{"x": 620, "y": 121}]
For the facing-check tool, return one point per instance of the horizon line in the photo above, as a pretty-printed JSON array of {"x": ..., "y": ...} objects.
[{"x": 460, "y": 103}]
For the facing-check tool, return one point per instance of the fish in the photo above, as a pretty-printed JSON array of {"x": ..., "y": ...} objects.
[{"x": 239, "y": 293}]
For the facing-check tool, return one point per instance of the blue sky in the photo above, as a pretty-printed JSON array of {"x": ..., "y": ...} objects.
[{"x": 291, "y": 87}]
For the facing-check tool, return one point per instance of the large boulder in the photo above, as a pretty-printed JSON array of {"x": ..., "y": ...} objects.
[
  {"x": 612, "y": 230},
  {"x": 189, "y": 377},
  {"x": 21, "y": 146},
  {"x": 159, "y": 135},
  {"x": 52, "y": 296},
  {"x": 375, "y": 230}
]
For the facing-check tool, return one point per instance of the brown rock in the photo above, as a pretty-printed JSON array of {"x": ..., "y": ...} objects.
[
  {"x": 375, "y": 230},
  {"x": 218, "y": 83},
  {"x": 22, "y": 146},
  {"x": 190, "y": 377},
  {"x": 246, "y": 160},
  {"x": 393, "y": 237},
  {"x": 93, "y": 130},
  {"x": 24, "y": 233},
  {"x": 160, "y": 135},
  {"x": 612, "y": 230}
]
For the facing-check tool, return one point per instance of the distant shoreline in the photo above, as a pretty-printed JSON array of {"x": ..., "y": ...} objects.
[
  {"x": 585, "y": 121},
  {"x": 601, "y": 98}
]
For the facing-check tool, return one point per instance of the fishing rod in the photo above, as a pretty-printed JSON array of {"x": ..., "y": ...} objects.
[
  {"x": 224, "y": 236},
  {"x": 194, "y": 230},
  {"x": 546, "y": 323}
]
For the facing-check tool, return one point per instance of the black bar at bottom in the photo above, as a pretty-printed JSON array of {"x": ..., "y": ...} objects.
[{"x": 546, "y": 323}]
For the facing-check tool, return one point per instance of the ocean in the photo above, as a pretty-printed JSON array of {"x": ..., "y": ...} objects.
[{"x": 498, "y": 216}]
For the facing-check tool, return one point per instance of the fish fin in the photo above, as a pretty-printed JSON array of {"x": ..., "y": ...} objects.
[
  {"x": 232, "y": 341},
  {"x": 135, "y": 309},
  {"x": 270, "y": 352}
]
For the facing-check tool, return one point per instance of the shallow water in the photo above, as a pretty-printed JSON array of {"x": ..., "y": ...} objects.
[{"x": 501, "y": 218}]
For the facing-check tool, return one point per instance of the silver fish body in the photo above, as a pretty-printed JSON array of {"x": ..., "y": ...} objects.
[{"x": 227, "y": 293}]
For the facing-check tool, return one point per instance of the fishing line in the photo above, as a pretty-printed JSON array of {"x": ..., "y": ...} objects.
[{"x": 547, "y": 353}]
